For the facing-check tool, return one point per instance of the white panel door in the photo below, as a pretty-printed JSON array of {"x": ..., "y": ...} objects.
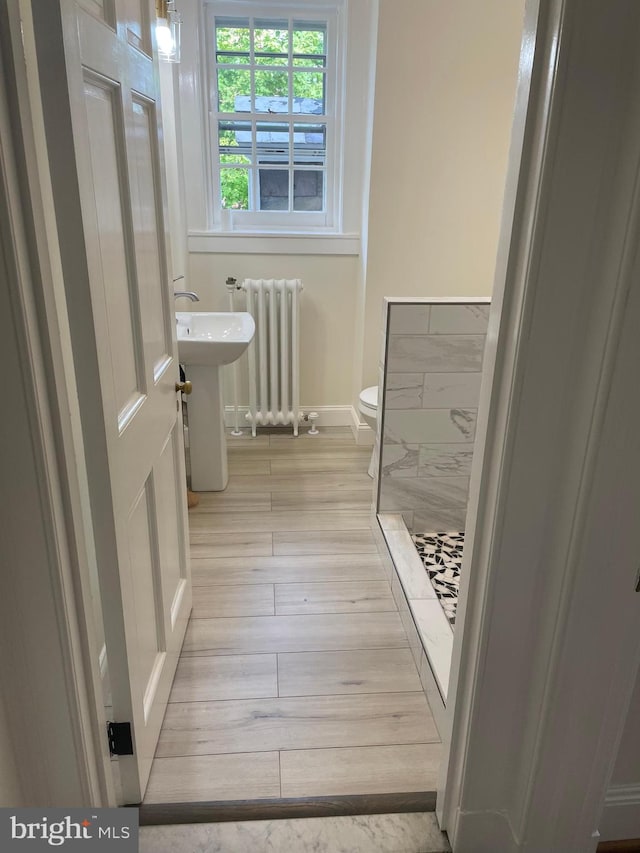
[{"x": 113, "y": 94}]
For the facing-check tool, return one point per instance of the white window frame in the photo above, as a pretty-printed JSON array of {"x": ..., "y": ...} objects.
[{"x": 328, "y": 221}]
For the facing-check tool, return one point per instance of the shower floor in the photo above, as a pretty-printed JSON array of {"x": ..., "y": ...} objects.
[{"x": 441, "y": 554}]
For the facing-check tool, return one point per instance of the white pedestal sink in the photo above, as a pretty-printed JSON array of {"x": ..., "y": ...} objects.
[{"x": 206, "y": 342}]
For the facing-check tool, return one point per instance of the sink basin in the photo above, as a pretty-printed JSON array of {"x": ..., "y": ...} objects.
[{"x": 213, "y": 337}]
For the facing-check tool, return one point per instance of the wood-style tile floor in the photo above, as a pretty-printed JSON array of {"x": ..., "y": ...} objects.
[{"x": 295, "y": 679}]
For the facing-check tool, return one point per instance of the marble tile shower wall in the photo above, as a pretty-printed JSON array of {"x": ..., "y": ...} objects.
[{"x": 432, "y": 374}]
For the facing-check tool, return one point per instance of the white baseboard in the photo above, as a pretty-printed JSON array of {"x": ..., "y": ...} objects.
[
  {"x": 362, "y": 432},
  {"x": 328, "y": 416},
  {"x": 621, "y": 816}
]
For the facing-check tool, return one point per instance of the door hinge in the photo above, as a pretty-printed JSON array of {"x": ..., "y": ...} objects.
[{"x": 120, "y": 741}]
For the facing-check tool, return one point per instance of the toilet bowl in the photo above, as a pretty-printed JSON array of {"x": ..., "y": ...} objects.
[{"x": 368, "y": 407}]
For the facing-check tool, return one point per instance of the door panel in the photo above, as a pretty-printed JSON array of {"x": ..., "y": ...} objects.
[
  {"x": 171, "y": 548},
  {"x": 147, "y": 599},
  {"x": 102, "y": 9},
  {"x": 144, "y": 576},
  {"x": 136, "y": 18},
  {"x": 106, "y": 153},
  {"x": 149, "y": 242}
]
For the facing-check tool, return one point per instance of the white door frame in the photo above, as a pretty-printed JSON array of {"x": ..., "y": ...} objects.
[
  {"x": 544, "y": 668},
  {"x": 507, "y": 788}
]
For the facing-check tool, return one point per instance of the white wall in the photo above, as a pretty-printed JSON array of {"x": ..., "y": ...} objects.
[
  {"x": 445, "y": 86},
  {"x": 326, "y": 316}
]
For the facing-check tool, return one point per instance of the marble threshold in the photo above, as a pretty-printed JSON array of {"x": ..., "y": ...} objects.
[{"x": 383, "y": 833}]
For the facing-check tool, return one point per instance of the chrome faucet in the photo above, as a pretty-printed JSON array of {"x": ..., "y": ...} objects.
[{"x": 188, "y": 294}]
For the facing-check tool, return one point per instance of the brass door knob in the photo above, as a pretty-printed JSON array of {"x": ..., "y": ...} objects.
[{"x": 184, "y": 387}]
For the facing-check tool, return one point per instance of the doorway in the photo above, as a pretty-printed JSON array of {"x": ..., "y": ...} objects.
[{"x": 623, "y": 621}]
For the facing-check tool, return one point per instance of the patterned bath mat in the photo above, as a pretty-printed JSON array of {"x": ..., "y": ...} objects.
[{"x": 441, "y": 554}]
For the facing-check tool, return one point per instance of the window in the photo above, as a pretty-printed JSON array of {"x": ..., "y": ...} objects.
[{"x": 273, "y": 117}]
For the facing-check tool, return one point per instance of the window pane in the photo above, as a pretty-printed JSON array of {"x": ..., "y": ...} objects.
[
  {"x": 308, "y": 190},
  {"x": 233, "y": 34},
  {"x": 274, "y": 189},
  {"x": 266, "y": 161},
  {"x": 234, "y": 188},
  {"x": 272, "y": 91},
  {"x": 309, "y": 144},
  {"x": 234, "y": 89},
  {"x": 234, "y": 141},
  {"x": 272, "y": 142},
  {"x": 308, "y": 93},
  {"x": 271, "y": 37},
  {"x": 308, "y": 38}
]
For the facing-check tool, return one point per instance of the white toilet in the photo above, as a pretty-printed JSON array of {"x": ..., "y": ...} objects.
[{"x": 368, "y": 406}]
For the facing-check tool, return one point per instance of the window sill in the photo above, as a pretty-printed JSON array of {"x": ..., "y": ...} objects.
[{"x": 269, "y": 243}]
